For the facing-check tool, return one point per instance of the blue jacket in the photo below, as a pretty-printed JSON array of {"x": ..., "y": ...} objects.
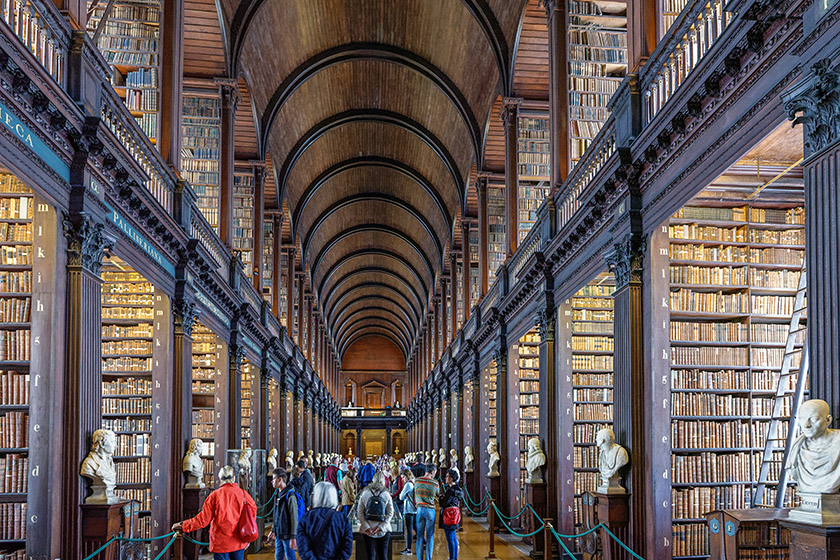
[
  {"x": 303, "y": 485},
  {"x": 366, "y": 474},
  {"x": 324, "y": 534}
]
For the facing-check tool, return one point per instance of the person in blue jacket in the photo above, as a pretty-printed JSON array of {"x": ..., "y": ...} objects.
[
  {"x": 365, "y": 475},
  {"x": 324, "y": 533}
]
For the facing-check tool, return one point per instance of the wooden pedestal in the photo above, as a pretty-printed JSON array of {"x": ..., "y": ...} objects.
[
  {"x": 614, "y": 512},
  {"x": 813, "y": 542},
  {"x": 193, "y": 502},
  {"x": 471, "y": 486},
  {"x": 537, "y": 496},
  {"x": 495, "y": 485},
  {"x": 100, "y": 522}
]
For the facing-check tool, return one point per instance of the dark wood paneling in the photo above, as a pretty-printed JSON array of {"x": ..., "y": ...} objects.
[{"x": 372, "y": 353}]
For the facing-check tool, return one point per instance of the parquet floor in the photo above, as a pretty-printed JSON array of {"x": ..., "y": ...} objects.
[{"x": 474, "y": 544}]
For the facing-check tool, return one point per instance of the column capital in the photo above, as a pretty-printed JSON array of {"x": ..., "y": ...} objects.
[
  {"x": 229, "y": 88},
  {"x": 86, "y": 242},
  {"x": 510, "y": 110},
  {"x": 184, "y": 314},
  {"x": 816, "y": 99},
  {"x": 626, "y": 260},
  {"x": 546, "y": 320},
  {"x": 550, "y": 6}
]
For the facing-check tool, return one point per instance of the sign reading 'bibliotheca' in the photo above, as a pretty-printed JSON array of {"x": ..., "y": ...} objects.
[
  {"x": 35, "y": 144},
  {"x": 138, "y": 239}
]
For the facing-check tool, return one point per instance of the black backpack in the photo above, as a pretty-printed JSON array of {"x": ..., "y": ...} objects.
[{"x": 375, "y": 508}]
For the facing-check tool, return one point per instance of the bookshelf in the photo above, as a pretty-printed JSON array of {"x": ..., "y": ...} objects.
[
  {"x": 734, "y": 269},
  {"x": 284, "y": 288},
  {"x": 16, "y": 271},
  {"x": 128, "y": 304},
  {"x": 243, "y": 219},
  {"x": 268, "y": 261},
  {"x": 497, "y": 248},
  {"x": 200, "y": 151},
  {"x": 668, "y": 12},
  {"x": 528, "y": 366},
  {"x": 129, "y": 44},
  {"x": 205, "y": 360},
  {"x": 597, "y": 64},
  {"x": 492, "y": 371},
  {"x": 474, "y": 270},
  {"x": 591, "y": 340},
  {"x": 533, "y": 162},
  {"x": 247, "y": 379}
]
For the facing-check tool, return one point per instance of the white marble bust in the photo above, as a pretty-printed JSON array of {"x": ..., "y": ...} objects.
[
  {"x": 453, "y": 459},
  {"x": 300, "y": 456},
  {"x": 469, "y": 459},
  {"x": 535, "y": 461},
  {"x": 428, "y": 457},
  {"x": 310, "y": 458},
  {"x": 610, "y": 459},
  {"x": 271, "y": 462},
  {"x": 432, "y": 457},
  {"x": 244, "y": 466},
  {"x": 290, "y": 461},
  {"x": 98, "y": 467},
  {"x": 319, "y": 459},
  {"x": 495, "y": 459},
  {"x": 193, "y": 465},
  {"x": 814, "y": 459},
  {"x": 441, "y": 458}
]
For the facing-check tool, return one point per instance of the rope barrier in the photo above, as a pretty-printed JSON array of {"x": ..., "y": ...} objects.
[
  {"x": 508, "y": 527},
  {"x": 192, "y": 540},
  {"x": 476, "y": 504},
  {"x": 477, "y": 514},
  {"x": 173, "y": 534},
  {"x": 270, "y": 500},
  {"x": 167, "y": 547},
  {"x": 624, "y": 546},
  {"x": 535, "y": 514},
  {"x": 517, "y": 516}
]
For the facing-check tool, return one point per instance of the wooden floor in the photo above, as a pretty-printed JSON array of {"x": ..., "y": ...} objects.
[{"x": 473, "y": 541}]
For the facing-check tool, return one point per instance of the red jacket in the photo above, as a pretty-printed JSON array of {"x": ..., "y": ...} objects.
[{"x": 222, "y": 510}]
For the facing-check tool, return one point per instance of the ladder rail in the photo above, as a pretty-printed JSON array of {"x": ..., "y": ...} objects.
[{"x": 784, "y": 474}]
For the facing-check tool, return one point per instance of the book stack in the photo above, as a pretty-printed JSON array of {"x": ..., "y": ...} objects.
[
  {"x": 243, "y": 219},
  {"x": 205, "y": 360},
  {"x": 528, "y": 367},
  {"x": 201, "y": 131}
]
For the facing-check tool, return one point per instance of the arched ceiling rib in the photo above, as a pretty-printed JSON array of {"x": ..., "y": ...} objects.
[{"x": 373, "y": 114}]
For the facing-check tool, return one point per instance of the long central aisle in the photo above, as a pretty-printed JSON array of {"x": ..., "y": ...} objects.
[{"x": 473, "y": 546}]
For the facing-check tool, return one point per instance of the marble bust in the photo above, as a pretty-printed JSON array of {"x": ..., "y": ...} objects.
[
  {"x": 535, "y": 461},
  {"x": 431, "y": 456},
  {"x": 244, "y": 466},
  {"x": 611, "y": 458},
  {"x": 300, "y": 456},
  {"x": 441, "y": 458},
  {"x": 98, "y": 467},
  {"x": 193, "y": 465},
  {"x": 469, "y": 459},
  {"x": 271, "y": 462},
  {"x": 814, "y": 460},
  {"x": 319, "y": 459},
  {"x": 290, "y": 461},
  {"x": 453, "y": 459},
  {"x": 495, "y": 459},
  {"x": 310, "y": 458}
]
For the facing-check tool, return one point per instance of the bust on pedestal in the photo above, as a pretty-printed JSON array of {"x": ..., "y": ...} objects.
[
  {"x": 469, "y": 459},
  {"x": 193, "y": 466},
  {"x": 271, "y": 462},
  {"x": 495, "y": 459},
  {"x": 98, "y": 467},
  {"x": 535, "y": 461},
  {"x": 610, "y": 459}
]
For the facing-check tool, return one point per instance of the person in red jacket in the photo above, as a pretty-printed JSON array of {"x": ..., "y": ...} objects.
[
  {"x": 331, "y": 474},
  {"x": 222, "y": 510}
]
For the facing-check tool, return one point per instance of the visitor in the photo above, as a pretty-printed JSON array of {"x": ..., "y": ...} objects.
[
  {"x": 304, "y": 482},
  {"x": 331, "y": 473},
  {"x": 409, "y": 508},
  {"x": 426, "y": 490},
  {"x": 450, "y": 512},
  {"x": 324, "y": 533},
  {"x": 375, "y": 511},
  {"x": 222, "y": 510},
  {"x": 366, "y": 473},
  {"x": 284, "y": 516},
  {"x": 396, "y": 487},
  {"x": 348, "y": 490},
  {"x": 418, "y": 468}
]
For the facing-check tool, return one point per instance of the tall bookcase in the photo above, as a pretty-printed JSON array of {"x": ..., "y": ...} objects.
[
  {"x": 492, "y": 415},
  {"x": 528, "y": 365},
  {"x": 284, "y": 288},
  {"x": 668, "y": 11},
  {"x": 268, "y": 261},
  {"x": 473, "y": 273},
  {"x": 592, "y": 379},
  {"x": 734, "y": 269},
  {"x": 129, "y": 43},
  {"x": 497, "y": 244},
  {"x": 597, "y": 64},
  {"x": 128, "y": 305},
  {"x": 247, "y": 380},
  {"x": 533, "y": 169},
  {"x": 205, "y": 367},
  {"x": 200, "y": 151},
  {"x": 16, "y": 267},
  {"x": 243, "y": 219}
]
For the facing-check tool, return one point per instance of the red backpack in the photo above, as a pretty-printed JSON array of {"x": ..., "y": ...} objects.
[
  {"x": 451, "y": 515},
  {"x": 247, "y": 527}
]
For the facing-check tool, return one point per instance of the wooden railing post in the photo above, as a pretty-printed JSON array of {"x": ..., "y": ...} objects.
[
  {"x": 547, "y": 528},
  {"x": 491, "y": 519}
]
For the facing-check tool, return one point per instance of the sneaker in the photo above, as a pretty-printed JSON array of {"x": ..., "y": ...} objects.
[{"x": 405, "y": 552}]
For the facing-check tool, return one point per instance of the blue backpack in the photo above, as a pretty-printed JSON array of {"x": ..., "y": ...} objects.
[{"x": 301, "y": 506}]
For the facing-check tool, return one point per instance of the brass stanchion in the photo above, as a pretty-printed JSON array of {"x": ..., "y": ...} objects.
[
  {"x": 547, "y": 528},
  {"x": 491, "y": 518}
]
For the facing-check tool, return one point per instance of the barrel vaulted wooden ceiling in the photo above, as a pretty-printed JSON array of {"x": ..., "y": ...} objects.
[{"x": 375, "y": 115}]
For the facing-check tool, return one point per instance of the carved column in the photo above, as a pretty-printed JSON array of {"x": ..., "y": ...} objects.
[
  {"x": 259, "y": 229},
  {"x": 510, "y": 118},
  {"x": 483, "y": 237},
  {"x": 236, "y": 354},
  {"x": 230, "y": 99},
  {"x": 184, "y": 314},
  {"x": 466, "y": 267},
  {"x": 81, "y": 414},
  {"x": 453, "y": 293},
  {"x": 290, "y": 292},
  {"x": 301, "y": 306},
  {"x": 558, "y": 89},
  {"x": 502, "y": 429},
  {"x": 815, "y": 101},
  {"x": 444, "y": 316},
  {"x": 549, "y": 411},
  {"x": 171, "y": 82}
]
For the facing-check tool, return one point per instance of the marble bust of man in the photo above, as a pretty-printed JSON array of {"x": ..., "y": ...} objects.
[
  {"x": 98, "y": 467},
  {"x": 441, "y": 458},
  {"x": 290, "y": 461},
  {"x": 469, "y": 459},
  {"x": 495, "y": 459},
  {"x": 814, "y": 460},
  {"x": 453, "y": 459},
  {"x": 428, "y": 457},
  {"x": 535, "y": 461},
  {"x": 610, "y": 459},
  {"x": 193, "y": 465},
  {"x": 271, "y": 462}
]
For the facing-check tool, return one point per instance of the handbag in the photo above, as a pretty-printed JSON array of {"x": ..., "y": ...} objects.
[
  {"x": 247, "y": 528},
  {"x": 451, "y": 515}
]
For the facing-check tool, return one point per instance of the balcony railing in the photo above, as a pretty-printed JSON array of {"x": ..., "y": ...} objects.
[
  {"x": 42, "y": 30},
  {"x": 359, "y": 412},
  {"x": 697, "y": 28}
]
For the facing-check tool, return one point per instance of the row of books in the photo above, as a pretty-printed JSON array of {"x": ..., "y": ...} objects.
[
  {"x": 139, "y": 405},
  {"x": 690, "y": 539},
  {"x": 13, "y": 521},
  {"x": 15, "y": 232},
  {"x": 16, "y": 255},
  {"x": 137, "y": 471},
  {"x": 14, "y": 473},
  {"x": 129, "y": 348},
  {"x": 14, "y": 388},
  {"x": 142, "y": 330},
  {"x": 717, "y": 355},
  {"x": 135, "y": 313},
  {"x": 142, "y": 495},
  {"x": 15, "y": 310},
  {"x": 592, "y": 343},
  {"x": 707, "y": 434},
  {"x": 709, "y": 404},
  {"x": 719, "y": 275},
  {"x": 592, "y": 362},
  {"x": 710, "y": 467},
  {"x": 15, "y": 345},
  {"x": 16, "y": 208},
  {"x": 143, "y": 78},
  {"x": 694, "y": 503},
  {"x": 133, "y": 445},
  {"x": 14, "y": 428},
  {"x": 593, "y": 395},
  {"x": 127, "y": 424},
  {"x": 592, "y": 379},
  {"x": 709, "y": 302},
  {"x": 130, "y": 386},
  {"x": 137, "y": 100},
  {"x": 199, "y": 387},
  {"x": 593, "y": 412},
  {"x": 126, "y": 364},
  {"x": 710, "y": 332},
  {"x": 15, "y": 281}
]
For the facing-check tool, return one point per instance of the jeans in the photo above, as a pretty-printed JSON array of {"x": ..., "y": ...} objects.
[
  {"x": 410, "y": 527},
  {"x": 283, "y": 550},
  {"x": 377, "y": 547},
  {"x": 237, "y": 555},
  {"x": 452, "y": 543},
  {"x": 425, "y": 532}
]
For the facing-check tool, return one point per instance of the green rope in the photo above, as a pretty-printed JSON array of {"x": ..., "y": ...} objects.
[
  {"x": 270, "y": 500},
  {"x": 577, "y": 536},
  {"x": 624, "y": 546},
  {"x": 536, "y": 516},
  {"x": 561, "y": 543},
  {"x": 476, "y": 504},
  {"x": 517, "y": 516},
  {"x": 101, "y": 548},
  {"x": 199, "y": 543},
  {"x": 267, "y": 514},
  {"x": 477, "y": 514},
  {"x": 508, "y": 527},
  {"x": 167, "y": 547}
]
